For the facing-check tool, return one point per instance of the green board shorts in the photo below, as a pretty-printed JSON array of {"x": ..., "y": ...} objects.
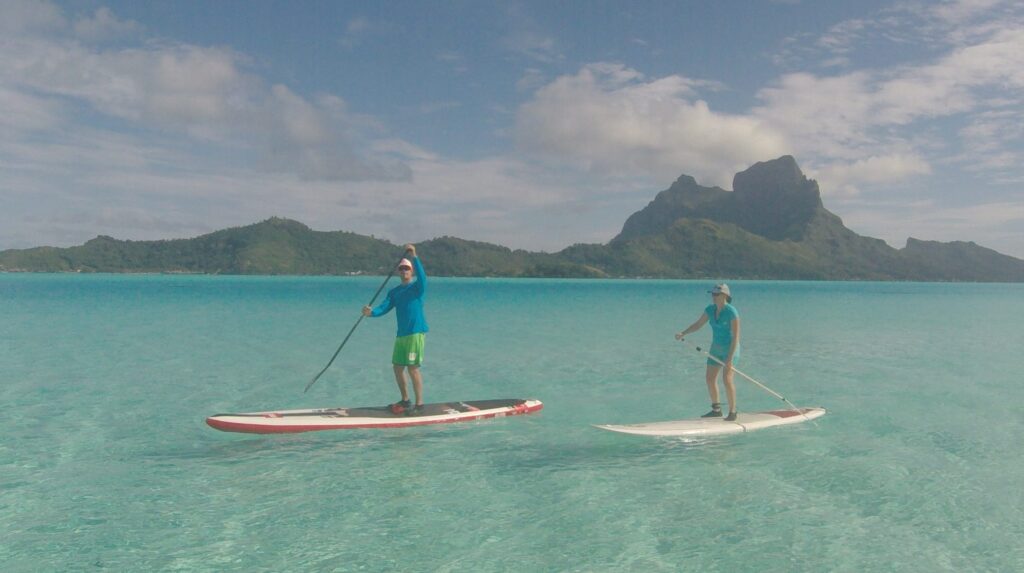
[
  {"x": 721, "y": 352},
  {"x": 408, "y": 350}
]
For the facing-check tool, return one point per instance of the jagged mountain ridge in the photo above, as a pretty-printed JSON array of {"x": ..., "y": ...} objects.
[
  {"x": 772, "y": 199},
  {"x": 773, "y": 225}
]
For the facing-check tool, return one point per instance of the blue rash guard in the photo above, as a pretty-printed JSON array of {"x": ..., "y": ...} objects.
[
  {"x": 721, "y": 328},
  {"x": 407, "y": 300}
]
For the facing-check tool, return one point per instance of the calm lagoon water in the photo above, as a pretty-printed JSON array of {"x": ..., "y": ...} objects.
[{"x": 106, "y": 463}]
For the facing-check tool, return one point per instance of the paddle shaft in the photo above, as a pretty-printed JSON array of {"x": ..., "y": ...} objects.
[
  {"x": 762, "y": 386},
  {"x": 354, "y": 326}
]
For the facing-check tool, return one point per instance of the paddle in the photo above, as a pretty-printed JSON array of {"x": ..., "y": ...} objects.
[
  {"x": 767, "y": 389},
  {"x": 354, "y": 326}
]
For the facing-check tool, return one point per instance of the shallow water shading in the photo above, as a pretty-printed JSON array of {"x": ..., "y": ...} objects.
[{"x": 106, "y": 462}]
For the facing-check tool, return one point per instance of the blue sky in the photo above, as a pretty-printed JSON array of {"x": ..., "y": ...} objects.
[{"x": 529, "y": 124}]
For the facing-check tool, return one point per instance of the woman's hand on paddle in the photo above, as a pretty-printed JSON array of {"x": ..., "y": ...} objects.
[
  {"x": 697, "y": 324},
  {"x": 367, "y": 311},
  {"x": 410, "y": 249}
]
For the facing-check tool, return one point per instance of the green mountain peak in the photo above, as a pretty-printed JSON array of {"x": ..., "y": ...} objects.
[{"x": 772, "y": 225}]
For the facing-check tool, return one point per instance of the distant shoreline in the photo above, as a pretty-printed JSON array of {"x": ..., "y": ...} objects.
[
  {"x": 772, "y": 226},
  {"x": 516, "y": 278}
]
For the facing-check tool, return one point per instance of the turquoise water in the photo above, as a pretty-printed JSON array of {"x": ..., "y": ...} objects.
[{"x": 106, "y": 463}]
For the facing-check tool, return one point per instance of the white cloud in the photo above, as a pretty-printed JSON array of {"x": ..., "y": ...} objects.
[
  {"x": 842, "y": 36},
  {"x": 29, "y": 17},
  {"x": 994, "y": 140},
  {"x": 851, "y": 117},
  {"x": 959, "y": 11},
  {"x": 498, "y": 200},
  {"x": 531, "y": 79},
  {"x": 825, "y": 114},
  {"x": 201, "y": 92},
  {"x": 995, "y": 225},
  {"x": 104, "y": 26},
  {"x": 609, "y": 118},
  {"x": 844, "y": 178},
  {"x": 355, "y": 30},
  {"x": 25, "y": 112},
  {"x": 535, "y": 47},
  {"x": 168, "y": 85},
  {"x": 404, "y": 149}
]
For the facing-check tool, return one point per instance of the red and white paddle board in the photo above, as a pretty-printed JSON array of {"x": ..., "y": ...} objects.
[
  {"x": 290, "y": 421},
  {"x": 696, "y": 427}
]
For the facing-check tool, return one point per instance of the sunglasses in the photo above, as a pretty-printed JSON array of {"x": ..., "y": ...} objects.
[{"x": 403, "y": 268}]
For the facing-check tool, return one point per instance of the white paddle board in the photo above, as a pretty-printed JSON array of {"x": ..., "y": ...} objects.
[
  {"x": 745, "y": 422},
  {"x": 291, "y": 421}
]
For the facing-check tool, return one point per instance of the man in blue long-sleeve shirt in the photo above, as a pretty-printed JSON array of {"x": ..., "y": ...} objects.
[{"x": 407, "y": 300}]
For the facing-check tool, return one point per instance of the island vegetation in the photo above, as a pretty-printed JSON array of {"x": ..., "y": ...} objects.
[{"x": 772, "y": 225}]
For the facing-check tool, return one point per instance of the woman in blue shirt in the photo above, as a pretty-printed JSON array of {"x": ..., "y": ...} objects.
[{"x": 725, "y": 346}]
